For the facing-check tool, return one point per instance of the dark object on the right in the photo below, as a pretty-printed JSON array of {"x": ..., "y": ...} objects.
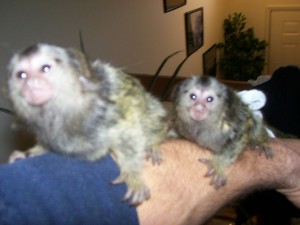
[{"x": 282, "y": 111}]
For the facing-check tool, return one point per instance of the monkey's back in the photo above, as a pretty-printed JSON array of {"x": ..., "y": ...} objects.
[{"x": 139, "y": 115}]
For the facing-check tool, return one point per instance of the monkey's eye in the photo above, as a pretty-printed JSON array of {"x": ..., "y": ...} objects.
[
  {"x": 193, "y": 96},
  {"x": 46, "y": 68},
  {"x": 21, "y": 75},
  {"x": 209, "y": 99}
]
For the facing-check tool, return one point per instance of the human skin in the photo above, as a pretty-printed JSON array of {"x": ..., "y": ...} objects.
[{"x": 181, "y": 194}]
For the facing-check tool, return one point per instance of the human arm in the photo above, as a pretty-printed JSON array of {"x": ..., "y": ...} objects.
[
  {"x": 66, "y": 190},
  {"x": 180, "y": 194},
  {"x": 56, "y": 189}
]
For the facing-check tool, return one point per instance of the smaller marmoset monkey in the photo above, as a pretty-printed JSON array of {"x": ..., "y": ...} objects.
[
  {"x": 87, "y": 110},
  {"x": 212, "y": 115}
]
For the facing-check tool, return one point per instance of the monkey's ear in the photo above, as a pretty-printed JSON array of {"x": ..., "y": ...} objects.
[
  {"x": 80, "y": 62},
  {"x": 87, "y": 84},
  {"x": 175, "y": 92}
]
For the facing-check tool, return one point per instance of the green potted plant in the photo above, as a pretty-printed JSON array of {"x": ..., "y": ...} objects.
[{"x": 243, "y": 55}]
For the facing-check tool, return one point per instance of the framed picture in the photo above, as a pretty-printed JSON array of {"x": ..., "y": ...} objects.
[
  {"x": 210, "y": 61},
  {"x": 194, "y": 30},
  {"x": 170, "y": 5}
]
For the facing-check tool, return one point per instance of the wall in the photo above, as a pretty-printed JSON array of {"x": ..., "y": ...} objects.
[
  {"x": 255, "y": 11},
  {"x": 256, "y": 14},
  {"x": 134, "y": 35}
]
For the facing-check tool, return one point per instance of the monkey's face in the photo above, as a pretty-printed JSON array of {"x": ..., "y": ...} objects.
[
  {"x": 30, "y": 78},
  {"x": 39, "y": 75},
  {"x": 198, "y": 101}
]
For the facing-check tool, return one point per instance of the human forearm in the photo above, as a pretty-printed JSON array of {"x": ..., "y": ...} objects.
[{"x": 182, "y": 195}]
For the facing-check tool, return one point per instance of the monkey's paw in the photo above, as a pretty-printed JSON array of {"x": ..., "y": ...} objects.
[
  {"x": 267, "y": 151},
  {"x": 155, "y": 156},
  {"x": 218, "y": 177},
  {"x": 137, "y": 192},
  {"x": 17, "y": 155}
]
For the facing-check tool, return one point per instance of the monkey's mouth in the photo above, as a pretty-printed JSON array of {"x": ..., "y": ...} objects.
[
  {"x": 198, "y": 112},
  {"x": 37, "y": 91}
]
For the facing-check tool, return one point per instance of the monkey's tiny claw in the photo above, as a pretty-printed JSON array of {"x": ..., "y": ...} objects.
[
  {"x": 137, "y": 192},
  {"x": 208, "y": 163},
  {"x": 218, "y": 179},
  {"x": 17, "y": 155},
  {"x": 155, "y": 156},
  {"x": 263, "y": 150},
  {"x": 136, "y": 197},
  {"x": 204, "y": 160},
  {"x": 267, "y": 152},
  {"x": 210, "y": 172},
  {"x": 119, "y": 179}
]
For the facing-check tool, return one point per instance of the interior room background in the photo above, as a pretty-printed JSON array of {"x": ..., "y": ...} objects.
[{"x": 133, "y": 35}]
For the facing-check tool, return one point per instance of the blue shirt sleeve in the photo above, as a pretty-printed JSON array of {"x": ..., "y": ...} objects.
[{"x": 55, "y": 189}]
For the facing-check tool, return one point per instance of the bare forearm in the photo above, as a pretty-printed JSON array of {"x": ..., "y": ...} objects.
[{"x": 182, "y": 195}]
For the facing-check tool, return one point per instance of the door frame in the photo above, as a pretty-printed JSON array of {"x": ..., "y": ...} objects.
[{"x": 269, "y": 10}]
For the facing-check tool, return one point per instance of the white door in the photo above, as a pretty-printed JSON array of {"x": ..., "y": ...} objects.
[{"x": 284, "y": 37}]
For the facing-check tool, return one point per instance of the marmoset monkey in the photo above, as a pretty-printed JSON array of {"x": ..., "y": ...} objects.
[
  {"x": 87, "y": 110},
  {"x": 212, "y": 115}
]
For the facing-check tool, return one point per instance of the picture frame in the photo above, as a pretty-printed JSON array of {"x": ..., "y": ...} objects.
[
  {"x": 210, "y": 61},
  {"x": 194, "y": 30},
  {"x": 170, "y": 5}
]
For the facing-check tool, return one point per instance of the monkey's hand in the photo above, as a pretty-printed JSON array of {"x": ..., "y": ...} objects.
[
  {"x": 137, "y": 191},
  {"x": 264, "y": 149},
  {"x": 154, "y": 155},
  {"x": 215, "y": 171},
  {"x": 18, "y": 155}
]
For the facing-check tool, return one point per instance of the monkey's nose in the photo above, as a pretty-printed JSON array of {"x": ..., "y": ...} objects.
[
  {"x": 33, "y": 82},
  {"x": 199, "y": 107},
  {"x": 37, "y": 90}
]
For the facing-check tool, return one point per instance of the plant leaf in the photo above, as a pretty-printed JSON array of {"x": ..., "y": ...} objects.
[
  {"x": 81, "y": 42},
  {"x": 170, "y": 83},
  {"x": 155, "y": 76},
  {"x": 7, "y": 111}
]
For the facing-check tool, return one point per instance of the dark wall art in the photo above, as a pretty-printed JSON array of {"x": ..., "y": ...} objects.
[
  {"x": 170, "y": 5},
  {"x": 194, "y": 30},
  {"x": 210, "y": 61}
]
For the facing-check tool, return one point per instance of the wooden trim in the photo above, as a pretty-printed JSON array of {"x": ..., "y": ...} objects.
[{"x": 163, "y": 80}]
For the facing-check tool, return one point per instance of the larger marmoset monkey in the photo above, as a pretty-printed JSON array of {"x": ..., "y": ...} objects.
[
  {"x": 87, "y": 110},
  {"x": 212, "y": 115}
]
